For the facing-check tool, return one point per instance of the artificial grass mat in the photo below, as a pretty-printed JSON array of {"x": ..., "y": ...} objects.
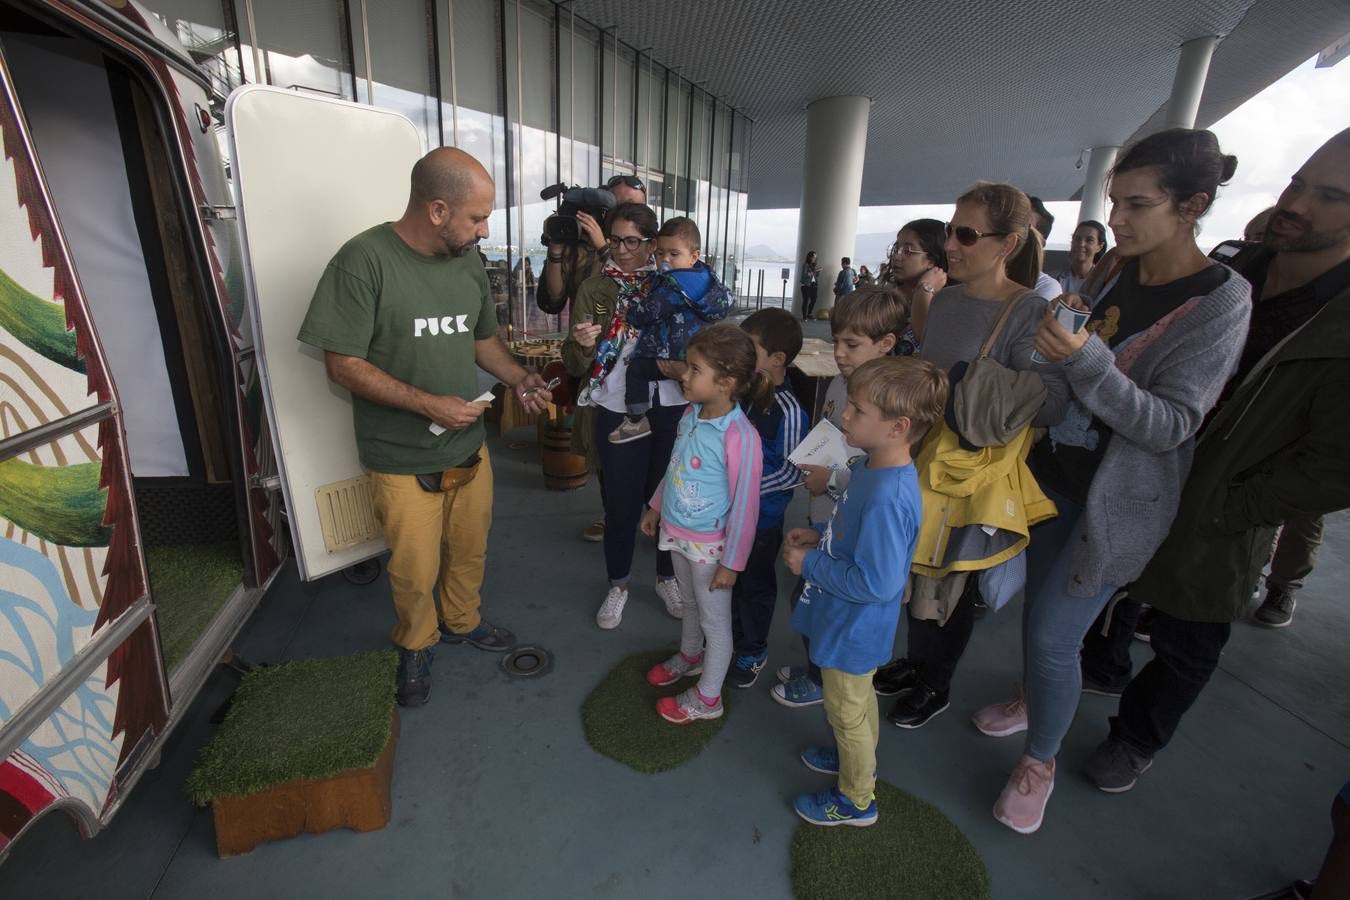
[
  {"x": 299, "y": 720},
  {"x": 620, "y": 718},
  {"x": 913, "y": 850},
  {"x": 189, "y": 584}
]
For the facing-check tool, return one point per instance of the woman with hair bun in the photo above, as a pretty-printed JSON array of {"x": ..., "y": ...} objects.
[{"x": 1164, "y": 334}]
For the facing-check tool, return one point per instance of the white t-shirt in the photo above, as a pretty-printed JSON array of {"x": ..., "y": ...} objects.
[
  {"x": 609, "y": 394},
  {"x": 836, "y": 398},
  {"x": 1047, "y": 287}
]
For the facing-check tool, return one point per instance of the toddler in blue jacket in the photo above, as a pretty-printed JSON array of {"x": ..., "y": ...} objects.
[
  {"x": 855, "y": 568},
  {"x": 676, "y": 301}
]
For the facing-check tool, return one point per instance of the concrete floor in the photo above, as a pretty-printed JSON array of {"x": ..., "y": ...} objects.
[{"x": 497, "y": 794}]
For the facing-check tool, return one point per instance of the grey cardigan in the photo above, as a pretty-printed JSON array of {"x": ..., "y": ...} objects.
[{"x": 1154, "y": 413}]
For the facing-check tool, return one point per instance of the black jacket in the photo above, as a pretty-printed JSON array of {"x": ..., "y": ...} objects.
[{"x": 1278, "y": 449}]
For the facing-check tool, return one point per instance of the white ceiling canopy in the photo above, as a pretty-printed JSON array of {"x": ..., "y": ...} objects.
[{"x": 962, "y": 91}]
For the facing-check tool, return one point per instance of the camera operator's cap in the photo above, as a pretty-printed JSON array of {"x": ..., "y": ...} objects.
[{"x": 632, "y": 181}]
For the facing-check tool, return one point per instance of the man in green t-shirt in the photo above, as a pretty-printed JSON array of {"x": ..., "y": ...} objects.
[{"x": 404, "y": 316}]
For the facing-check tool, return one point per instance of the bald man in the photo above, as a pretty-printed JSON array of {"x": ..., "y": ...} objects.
[{"x": 404, "y": 315}]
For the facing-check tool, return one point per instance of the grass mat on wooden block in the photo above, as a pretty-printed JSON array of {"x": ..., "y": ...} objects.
[
  {"x": 189, "y": 584},
  {"x": 300, "y": 720},
  {"x": 621, "y": 721},
  {"x": 913, "y": 850}
]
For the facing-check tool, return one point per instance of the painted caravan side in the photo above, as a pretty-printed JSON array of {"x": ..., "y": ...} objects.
[{"x": 86, "y": 699}]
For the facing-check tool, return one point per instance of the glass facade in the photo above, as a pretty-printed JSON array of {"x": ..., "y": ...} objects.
[{"x": 534, "y": 92}]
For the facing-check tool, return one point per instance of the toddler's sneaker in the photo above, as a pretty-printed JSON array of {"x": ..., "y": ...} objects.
[
  {"x": 745, "y": 670},
  {"x": 631, "y": 429},
  {"x": 824, "y": 760},
  {"x": 673, "y": 669},
  {"x": 1002, "y": 719},
  {"x": 831, "y": 808},
  {"x": 800, "y": 691},
  {"x": 1021, "y": 806},
  {"x": 687, "y": 707},
  {"x": 787, "y": 673},
  {"x": 668, "y": 589}
]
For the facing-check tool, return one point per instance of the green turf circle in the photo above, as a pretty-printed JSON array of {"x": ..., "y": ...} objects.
[
  {"x": 913, "y": 850},
  {"x": 621, "y": 722}
]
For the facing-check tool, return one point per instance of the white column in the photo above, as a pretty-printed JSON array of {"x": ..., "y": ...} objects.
[
  {"x": 1100, "y": 161},
  {"x": 1189, "y": 82},
  {"x": 836, "y": 143}
]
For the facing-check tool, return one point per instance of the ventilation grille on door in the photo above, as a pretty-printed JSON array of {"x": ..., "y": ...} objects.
[{"x": 346, "y": 513}]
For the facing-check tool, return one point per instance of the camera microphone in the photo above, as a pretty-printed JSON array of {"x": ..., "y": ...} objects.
[{"x": 553, "y": 190}]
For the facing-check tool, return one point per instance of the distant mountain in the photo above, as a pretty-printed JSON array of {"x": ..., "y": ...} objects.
[{"x": 766, "y": 253}]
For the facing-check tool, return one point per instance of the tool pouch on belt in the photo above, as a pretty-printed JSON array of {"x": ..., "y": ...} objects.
[{"x": 452, "y": 478}]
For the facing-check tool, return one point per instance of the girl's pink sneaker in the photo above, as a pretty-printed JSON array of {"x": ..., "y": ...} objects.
[{"x": 673, "y": 669}]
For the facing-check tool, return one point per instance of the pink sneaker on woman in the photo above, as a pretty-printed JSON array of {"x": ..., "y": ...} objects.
[
  {"x": 1021, "y": 806},
  {"x": 1002, "y": 719}
]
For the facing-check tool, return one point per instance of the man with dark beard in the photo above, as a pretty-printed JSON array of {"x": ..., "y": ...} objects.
[
  {"x": 403, "y": 314},
  {"x": 1277, "y": 449}
]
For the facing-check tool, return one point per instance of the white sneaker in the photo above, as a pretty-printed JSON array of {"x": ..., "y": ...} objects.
[
  {"x": 611, "y": 611},
  {"x": 669, "y": 592}
]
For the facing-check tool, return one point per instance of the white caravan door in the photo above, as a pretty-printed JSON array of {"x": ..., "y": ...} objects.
[{"x": 310, "y": 173}]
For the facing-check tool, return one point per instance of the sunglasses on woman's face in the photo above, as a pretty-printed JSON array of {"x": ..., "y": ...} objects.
[
  {"x": 628, "y": 243},
  {"x": 967, "y": 236},
  {"x": 632, "y": 181}
]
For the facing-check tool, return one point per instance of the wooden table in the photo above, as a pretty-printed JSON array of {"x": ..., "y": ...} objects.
[{"x": 811, "y": 373}]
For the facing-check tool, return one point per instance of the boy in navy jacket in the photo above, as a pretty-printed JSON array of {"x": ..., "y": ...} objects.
[
  {"x": 781, "y": 425},
  {"x": 856, "y": 568}
]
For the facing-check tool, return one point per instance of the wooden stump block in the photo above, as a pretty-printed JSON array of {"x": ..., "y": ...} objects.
[{"x": 358, "y": 799}]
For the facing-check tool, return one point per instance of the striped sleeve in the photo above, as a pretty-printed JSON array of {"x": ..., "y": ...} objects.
[
  {"x": 744, "y": 465},
  {"x": 783, "y": 475}
]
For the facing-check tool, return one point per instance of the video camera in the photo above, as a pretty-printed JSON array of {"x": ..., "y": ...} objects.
[{"x": 562, "y": 226}]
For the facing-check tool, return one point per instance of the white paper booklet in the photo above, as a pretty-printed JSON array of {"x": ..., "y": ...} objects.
[
  {"x": 825, "y": 446},
  {"x": 484, "y": 400}
]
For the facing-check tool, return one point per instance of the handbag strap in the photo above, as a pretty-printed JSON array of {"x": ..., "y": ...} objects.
[{"x": 1002, "y": 320}]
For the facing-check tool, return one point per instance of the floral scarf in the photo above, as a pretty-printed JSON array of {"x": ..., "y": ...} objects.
[{"x": 631, "y": 286}]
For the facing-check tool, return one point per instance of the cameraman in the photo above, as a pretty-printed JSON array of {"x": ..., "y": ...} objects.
[{"x": 568, "y": 265}]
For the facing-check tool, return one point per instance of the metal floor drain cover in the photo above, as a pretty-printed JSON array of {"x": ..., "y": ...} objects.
[{"x": 527, "y": 662}]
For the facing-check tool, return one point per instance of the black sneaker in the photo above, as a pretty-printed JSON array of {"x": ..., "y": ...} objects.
[
  {"x": 894, "y": 677},
  {"x": 916, "y": 705},
  {"x": 1143, "y": 629},
  {"x": 744, "y": 671},
  {"x": 1092, "y": 685},
  {"x": 1114, "y": 766},
  {"x": 1277, "y": 611},
  {"x": 414, "y": 677},
  {"x": 484, "y": 637}
]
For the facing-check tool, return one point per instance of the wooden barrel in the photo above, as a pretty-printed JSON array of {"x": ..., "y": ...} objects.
[{"x": 563, "y": 469}]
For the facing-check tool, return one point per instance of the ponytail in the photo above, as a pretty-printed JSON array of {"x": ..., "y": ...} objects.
[
  {"x": 758, "y": 390},
  {"x": 1025, "y": 265}
]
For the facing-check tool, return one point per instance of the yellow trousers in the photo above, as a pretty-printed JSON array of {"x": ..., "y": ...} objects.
[
  {"x": 851, "y": 709},
  {"x": 434, "y": 537}
]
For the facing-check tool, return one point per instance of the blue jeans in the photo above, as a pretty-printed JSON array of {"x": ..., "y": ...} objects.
[{"x": 1053, "y": 627}]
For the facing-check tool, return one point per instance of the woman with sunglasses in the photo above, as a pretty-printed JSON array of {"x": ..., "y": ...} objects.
[
  {"x": 994, "y": 252},
  {"x": 596, "y": 351},
  {"x": 1086, "y": 249},
  {"x": 916, "y": 264},
  {"x": 1165, "y": 332}
]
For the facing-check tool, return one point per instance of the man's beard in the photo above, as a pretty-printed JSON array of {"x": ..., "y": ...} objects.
[
  {"x": 1308, "y": 241},
  {"x": 462, "y": 250}
]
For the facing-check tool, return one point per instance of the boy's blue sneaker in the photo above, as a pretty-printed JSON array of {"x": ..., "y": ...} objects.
[
  {"x": 824, "y": 760},
  {"x": 744, "y": 671},
  {"x": 800, "y": 691},
  {"x": 830, "y": 808}
]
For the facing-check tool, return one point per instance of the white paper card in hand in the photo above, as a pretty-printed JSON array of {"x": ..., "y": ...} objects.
[
  {"x": 1071, "y": 319},
  {"x": 484, "y": 400},
  {"x": 824, "y": 446}
]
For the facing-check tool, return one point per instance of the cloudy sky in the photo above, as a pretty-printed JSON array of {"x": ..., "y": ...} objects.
[{"x": 1271, "y": 135}]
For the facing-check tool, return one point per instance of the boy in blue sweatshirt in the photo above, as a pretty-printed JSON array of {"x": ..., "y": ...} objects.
[
  {"x": 781, "y": 423},
  {"x": 676, "y": 301},
  {"x": 855, "y": 576}
]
